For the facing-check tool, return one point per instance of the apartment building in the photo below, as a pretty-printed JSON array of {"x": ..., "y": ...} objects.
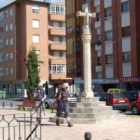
[
  {"x": 32, "y": 23},
  {"x": 115, "y": 43}
]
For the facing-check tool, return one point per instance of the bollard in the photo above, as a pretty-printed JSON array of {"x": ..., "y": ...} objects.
[
  {"x": 88, "y": 136},
  {"x": 3, "y": 104},
  {"x": 11, "y": 105}
]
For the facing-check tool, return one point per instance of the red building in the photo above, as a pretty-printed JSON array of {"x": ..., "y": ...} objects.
[{"x": 115, "y": 43}]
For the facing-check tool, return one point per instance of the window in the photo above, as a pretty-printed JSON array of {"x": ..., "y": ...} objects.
[
  {"x": 11, "y": 26},
  {"x": 11, "y": 12},
  {"x": 11, "y": 41},
  {"x": 1, "y": 57},
  {"x": 1, "y": 44},
  {"x": 125, "y": 6},
  {"x": 109, "y": 59},
  {"x": 7, "y": 14},
  {"x": 35, "y": 23},
  {"x": 58, "y": 68},
  {"x": 1, "y": 16},
  {"x": 99, "y": 38},
  {"x": 62, "y": 9},
  {"x": 63, "y": 25},
  {"x": 7, "y": 56},
  {"x": 35, "y": 9},
  {"x": 108, "y": 12},
  {"x": 37, "y": 52},
  {"x": 56, "y": 54},
  {"x": 6, "y": 27},
  {"x": 1, "y": 71},
  {"x": 64, "y": 54},
  {"x": 127, "y": 57},
  {"x": 11, "y": 55},
  {"x": 63, "y": 39},
  {"x": 57, "y": 9},
  {"x": 108, "y": 35},
  {"x": 55, "y": 24},
  {"x": 7, "y": 71},
  {"x": 56, "y": 39},
  {"x": 1, "y": 30},
  {"x": 53, "y": 9},
  {"x": 126, "y": 31},
  {"x": 99, "y": 61},
  {"x": 11, "y": 70},
  {"x": 35, "y": 38},
  {"x": 7, "y": 42}
]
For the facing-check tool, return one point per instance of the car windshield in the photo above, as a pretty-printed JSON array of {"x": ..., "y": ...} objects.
[{"x": 119, "y": 96}]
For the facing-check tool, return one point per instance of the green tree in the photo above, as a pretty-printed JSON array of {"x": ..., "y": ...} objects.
[{"x": 33, "y": 73}]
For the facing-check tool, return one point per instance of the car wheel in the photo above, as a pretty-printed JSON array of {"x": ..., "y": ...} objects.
[
  {"x": 46, "y": 105},
  {"x": 135, "y": 110}
]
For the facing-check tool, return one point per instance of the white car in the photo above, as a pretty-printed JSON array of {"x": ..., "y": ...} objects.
[{"x": 52, "y": 99}]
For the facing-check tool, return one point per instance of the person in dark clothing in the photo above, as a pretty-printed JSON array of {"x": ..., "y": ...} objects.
[{"x": 63, "y": 105}]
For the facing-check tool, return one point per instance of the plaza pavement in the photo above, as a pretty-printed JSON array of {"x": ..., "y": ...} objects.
[{"x": 128, "y": 129}]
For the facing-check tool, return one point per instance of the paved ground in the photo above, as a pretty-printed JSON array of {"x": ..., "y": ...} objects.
[{"x": 129, "y": 129}]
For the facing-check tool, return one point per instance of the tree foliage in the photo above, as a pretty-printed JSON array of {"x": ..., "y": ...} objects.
[{"x": 33, "y": 73}]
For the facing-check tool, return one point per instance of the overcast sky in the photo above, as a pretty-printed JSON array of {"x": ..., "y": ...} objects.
[{"x": 5, "y": 2}]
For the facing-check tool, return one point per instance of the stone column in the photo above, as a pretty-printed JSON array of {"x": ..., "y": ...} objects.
[{"x": 86, "y": 37}]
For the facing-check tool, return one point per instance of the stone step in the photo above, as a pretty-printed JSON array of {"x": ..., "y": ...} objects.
[
  {"x": 89, "y": 110},
  {"x": 87, "y": 104},
  {"x": 83, "y": 99},
  {"x": 94, "y": 115},
  {"x": 90, "y": 120}
]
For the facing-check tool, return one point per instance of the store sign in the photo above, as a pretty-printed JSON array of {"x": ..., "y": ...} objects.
[
  {"x": 129, "y": 79},
  {"x": 98, "y": 81}
]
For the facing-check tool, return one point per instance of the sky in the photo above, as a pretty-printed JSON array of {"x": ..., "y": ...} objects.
[{"x": 5, "y": 2}]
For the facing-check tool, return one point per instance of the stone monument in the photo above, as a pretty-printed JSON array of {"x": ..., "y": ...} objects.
[
  {"x": 86, "y": 37},
  {"x": 88, "y": 109}
]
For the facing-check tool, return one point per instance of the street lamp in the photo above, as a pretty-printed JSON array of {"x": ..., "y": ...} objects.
[{"x": 22, "y": 59}]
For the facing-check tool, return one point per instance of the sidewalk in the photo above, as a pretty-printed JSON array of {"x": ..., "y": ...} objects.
[{"x": 121, "y": 130}]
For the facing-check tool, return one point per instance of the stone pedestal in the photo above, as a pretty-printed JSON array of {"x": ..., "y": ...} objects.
[{"x": 91, "y": 110}]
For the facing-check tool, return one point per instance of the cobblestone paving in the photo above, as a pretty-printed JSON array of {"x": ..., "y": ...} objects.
[{"x": 121, "y": 130}]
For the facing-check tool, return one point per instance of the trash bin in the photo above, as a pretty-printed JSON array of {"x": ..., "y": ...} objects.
[
  {"x": 3, "y": 94},
  {"x": 0, "y": 94}
]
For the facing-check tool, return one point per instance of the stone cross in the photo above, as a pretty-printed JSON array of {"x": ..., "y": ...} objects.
[
  {"x": 86, "y": 15},
  {"x": 86, "y": 37}
]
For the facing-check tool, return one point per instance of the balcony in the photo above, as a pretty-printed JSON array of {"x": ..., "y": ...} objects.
[
  {"x": 60, "y": 47},
  {"x": 57, "y": 61},
  {"x": 57, "y": 31},
  {"x": 98, "y": 68},
  {"x": 58, "y": 76},
  {"x": 57, "y": 17}
]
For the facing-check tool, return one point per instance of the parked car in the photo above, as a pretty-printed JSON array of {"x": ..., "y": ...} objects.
[
  {"x": 132, "y": 95},
  {"x": 113, "y": 90},
  {"x": 134, "y": 107},
  {"x": 52, "y": 99},
  {"x": 117, "y": 100}
]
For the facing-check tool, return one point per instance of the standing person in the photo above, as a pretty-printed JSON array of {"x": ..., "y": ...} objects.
[
  {"x": 39, "y": 96},
  {"x": 39, "y": 93},
  {"x": 63, "y": 105}
]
